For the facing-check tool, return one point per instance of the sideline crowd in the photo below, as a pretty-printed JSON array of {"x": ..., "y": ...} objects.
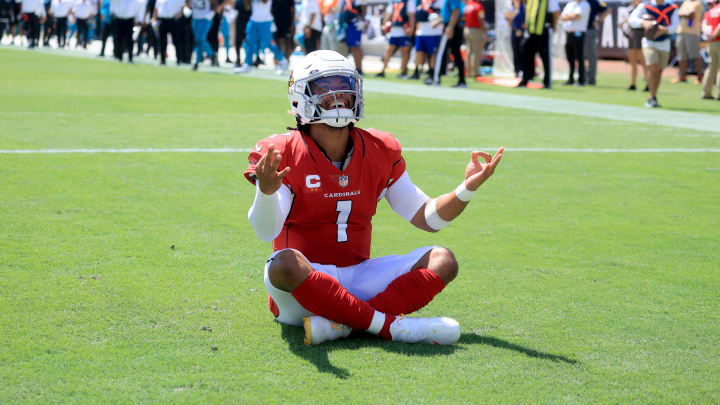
[{"x": 445, "y": 34}]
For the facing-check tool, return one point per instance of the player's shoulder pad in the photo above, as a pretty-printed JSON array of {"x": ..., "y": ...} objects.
[
  {"x": 281, "y": 142},
  {"x": 386, "y": 139}
]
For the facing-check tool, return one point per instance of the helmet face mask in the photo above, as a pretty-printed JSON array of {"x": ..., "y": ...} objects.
[{"x": 325, "y": 88}]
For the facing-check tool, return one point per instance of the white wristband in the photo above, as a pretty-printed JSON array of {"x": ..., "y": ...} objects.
[
  {"x": 432, "y": 218},
  {"x": 463, "y": 194}
]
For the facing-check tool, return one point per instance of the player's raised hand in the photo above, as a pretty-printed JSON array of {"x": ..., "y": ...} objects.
[
  {"x": 269, "y": 179},
  {"x": 477, "y": 172}
]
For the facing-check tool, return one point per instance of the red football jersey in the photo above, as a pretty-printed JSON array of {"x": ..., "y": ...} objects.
[{"x": 330, "y": 221}]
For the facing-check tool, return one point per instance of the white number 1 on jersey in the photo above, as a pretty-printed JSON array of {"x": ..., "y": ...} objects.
[{"x": 343, "y": 208}]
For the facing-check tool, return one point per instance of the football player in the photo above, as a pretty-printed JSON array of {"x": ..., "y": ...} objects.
[{"x": 317, "y": 189}]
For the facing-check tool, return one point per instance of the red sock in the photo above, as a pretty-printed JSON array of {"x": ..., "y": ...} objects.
[
  {"x": 409, "y": 292},
  {"x": 324, "y": 296}
]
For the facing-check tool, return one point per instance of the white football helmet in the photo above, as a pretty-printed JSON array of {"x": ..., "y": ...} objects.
[{"x": 315, "y": 77}]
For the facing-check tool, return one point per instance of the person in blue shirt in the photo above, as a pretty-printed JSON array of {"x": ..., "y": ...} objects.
[{"x": 451, "y": 18}]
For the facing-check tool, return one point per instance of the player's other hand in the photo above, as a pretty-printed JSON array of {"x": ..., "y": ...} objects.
[
  {"x": 478, "y": 172},
  {"x": 269, "y": 179}
]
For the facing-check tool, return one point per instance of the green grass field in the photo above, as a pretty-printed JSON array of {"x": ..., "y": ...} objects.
[{"x": 135, "y": 277}]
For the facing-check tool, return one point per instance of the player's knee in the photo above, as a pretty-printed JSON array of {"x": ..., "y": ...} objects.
[
  {"x": 288, "y": 269},
  {"x": 443, "y": 262}
]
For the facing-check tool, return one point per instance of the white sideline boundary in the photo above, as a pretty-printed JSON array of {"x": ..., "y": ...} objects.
[{"x": 409, "y": 149}]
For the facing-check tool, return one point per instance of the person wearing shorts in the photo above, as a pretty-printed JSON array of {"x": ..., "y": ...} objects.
[
  {"x": 400, "y": 19},
  {"x": 659, "y": 20},
  {"x": 687, "y": 41}
]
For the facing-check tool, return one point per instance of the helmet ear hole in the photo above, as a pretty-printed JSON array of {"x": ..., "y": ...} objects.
[{"x": 295, "y": 104}]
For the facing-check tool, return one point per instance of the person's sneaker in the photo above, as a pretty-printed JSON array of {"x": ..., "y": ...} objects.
[
  {"x": 214, "y": 61},
  {"x": 646, "y": 89},
  {"x": 281, "y": 67},
  {"x": 460, "y": 85},
  {"x": 414, "y": 76},
  {"x": 431, "y": 82},
  {"x": 381, "y": 74},
  {"x": 632, "y": 87},
  {"x": 195, "y": 66},
  {"x": 243, "y": 69},
  {"x": 227, "y": 60},
  {"x": 439, "y": 331},
  {"x": 402, "y": 75},
  {"x": 569, "y": 83},
  {"x": 706, "y": 97},
  {"x": 319, "y": 329},
  {"x": 652, "y": 103}
]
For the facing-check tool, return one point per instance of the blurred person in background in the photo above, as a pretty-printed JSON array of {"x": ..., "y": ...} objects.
[
  {"x": 687, "y": 40},
  {"x": 60, "y": 10},
  {"x": 311, "y": 21},
  {"x": 5, "y": 11},
  {"x": 106, "y": 25},
  {"x": 474, "y": 33},
  {"x": 598, "y": 11},
  {"x": 168, "y": 13},
  {"x": 16, "y": 20},
  {"x": 243, "y": 8},
  {"x": 515, "y": 17},
  {"x": 574, "y": 17},
  {"x": 202, "y": 15},
  {"x": 352, "y": 23},
  {"x": 228, "y": 18},
  {"x": 428, "y": 31},
  {"x": 213, "y": 35},
  {"x": 330, "y": 11},
  {"x": 634, "y": 49},
  {"x": 49, "y": 25},
  {"x": 32, "y": 12},
  {"x": 259, "y": 37},
  {"x": 399, "y": 22},
  {"x": 283, "y": 12},
  {"x": 146, "y": 34},
  {"x": 450, "y": 43},
  {"x": 541, "y": 18},
  {"x": 659, "y": 20},
  {"x": 124, "y": 19},
  {"x": 711, "y": 29},
  {"x": 83, "y": 12}
]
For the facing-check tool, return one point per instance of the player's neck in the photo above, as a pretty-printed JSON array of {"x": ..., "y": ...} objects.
[{"x": 334, "y": 141}]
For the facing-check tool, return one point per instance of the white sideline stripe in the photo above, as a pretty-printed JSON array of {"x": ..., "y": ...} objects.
[{"x": 409, "y": 149}]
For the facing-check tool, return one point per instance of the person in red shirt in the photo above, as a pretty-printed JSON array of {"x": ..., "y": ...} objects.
[
  {"x": 317, "y": 189},
  {"x": 474, "y": 33},
  {"x": 711, "y": 28}
]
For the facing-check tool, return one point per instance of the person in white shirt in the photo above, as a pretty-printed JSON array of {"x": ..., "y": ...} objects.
[
  {"x": 124, "y": 13},
  {"x": 574, "y": 19},
  {"x": 32, "y": 11},
  {"x": 168, "y": 12},
  {"x": 259, "y": 36},
  {"x": 311, "y": 21},
  {"x": 659, "y": 19},
  {"x": 60, "y": 10},
  {"x": 83, "y": 11}
]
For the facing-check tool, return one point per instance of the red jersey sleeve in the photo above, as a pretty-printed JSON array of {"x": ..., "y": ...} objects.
[
  {"x": 261, "y": 148},
  {"x": 394, "y": 153}
]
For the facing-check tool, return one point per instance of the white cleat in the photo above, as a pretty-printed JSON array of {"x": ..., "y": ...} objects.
[
  {"x": 243, "y": 69},
  {"x": 319, "y": 329},
  {"x": 439, "y": 331}
]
